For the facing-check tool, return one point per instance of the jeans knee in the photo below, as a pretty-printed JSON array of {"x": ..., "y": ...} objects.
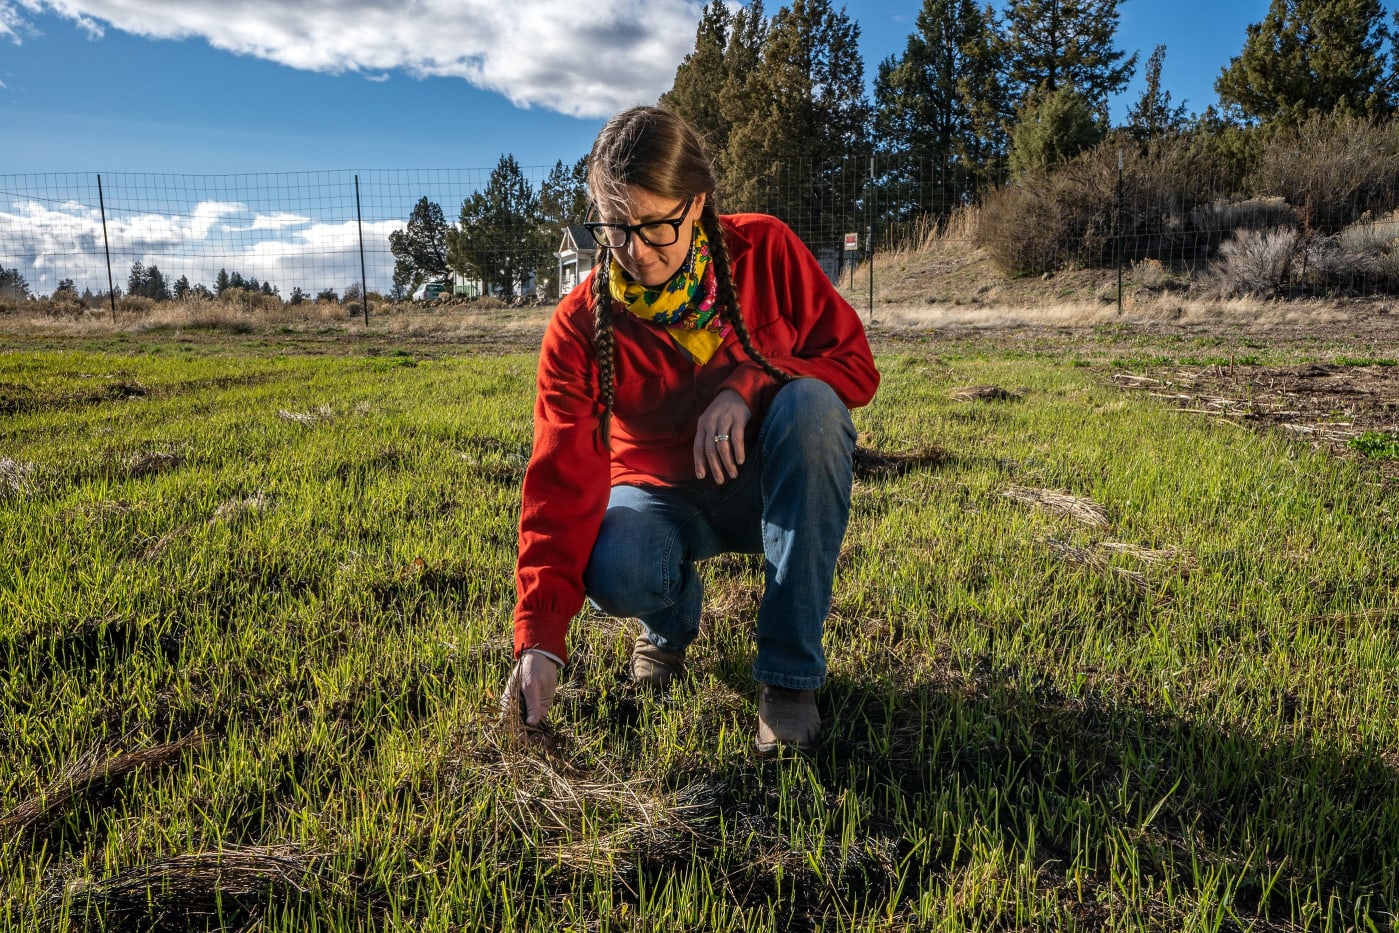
[
  {"x": 625, "y": 583},
  {"x": 807, "y": 419}
]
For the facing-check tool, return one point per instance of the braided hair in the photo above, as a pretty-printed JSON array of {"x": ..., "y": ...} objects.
[
  {"x": 656, "y": 150},
  {"x": 604, "y": 341}
]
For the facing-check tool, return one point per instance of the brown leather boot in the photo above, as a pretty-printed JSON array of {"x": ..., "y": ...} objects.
[
  {"x": 652, "y": 667},
  {"x": 786, "y": 717}
]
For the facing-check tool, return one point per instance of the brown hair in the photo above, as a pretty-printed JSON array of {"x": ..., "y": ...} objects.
[{"x": 656, "y": 150}]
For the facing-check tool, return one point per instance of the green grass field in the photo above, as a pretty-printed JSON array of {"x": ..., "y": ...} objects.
[{"x": 1095, "y": 664}]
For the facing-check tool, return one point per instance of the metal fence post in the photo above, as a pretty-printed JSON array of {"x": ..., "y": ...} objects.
[
  {"x": 363, "y": 279},
  {"x": 1120, "y": 243},
  {"x": 869, "y": 235},
  {"x": 111, "y": 288}
]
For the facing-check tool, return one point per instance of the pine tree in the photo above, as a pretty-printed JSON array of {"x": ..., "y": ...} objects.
[
  {"x": 420, "y": 248},
  {"x": 1050, "y": 44},
  {"x": 563, "y": 195},
  {"x": 804, "y": 116},
  {"x": 563, "y": 201},
  {"x": 136, "y": 279},
  {"x": 1153, "y": 116},
  {"x": 154, "y": 285},
  {"x": 12, "y": 284},
  {"x": 1053, "y": 126},
  {"x": 748, "y": 35},
  {"x": 697, "y": 92},
  {"x": 1314, "y": 56},
  {"x": 181, "y": 290},
  {"x": 940, "y": 108},
  {"x": 221, "y": 282},
  {"x": 498, "y": 237}
]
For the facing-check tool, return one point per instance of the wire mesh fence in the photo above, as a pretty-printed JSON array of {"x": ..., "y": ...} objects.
[
  {"x": 307, "y": 233},
  {"x": 294, "y": 231}
]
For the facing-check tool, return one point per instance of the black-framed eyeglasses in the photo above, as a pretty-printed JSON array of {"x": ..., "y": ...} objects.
[{"x": 653, "y": 233}]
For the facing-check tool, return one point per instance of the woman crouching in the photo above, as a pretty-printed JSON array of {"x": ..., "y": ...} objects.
[{"x": 693, "y": 399}]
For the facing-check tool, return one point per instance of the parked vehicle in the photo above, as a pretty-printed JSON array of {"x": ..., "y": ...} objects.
[{"x": 428, "y": 291}]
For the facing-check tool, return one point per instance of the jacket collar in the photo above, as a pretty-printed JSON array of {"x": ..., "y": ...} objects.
[{"x": 737, "y": 243}]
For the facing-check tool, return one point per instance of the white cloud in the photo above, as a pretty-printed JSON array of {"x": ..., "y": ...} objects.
[
  {"x": 12, "y": 24},
  {"x": 585, "y": 61},
  {"x": 52, "y": 241},
  {"x": 278, "y": 221},
  {"x": 207, "y": 214}
]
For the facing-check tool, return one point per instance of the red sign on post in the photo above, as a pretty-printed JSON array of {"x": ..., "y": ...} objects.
[{"x": 852, "y": 241}]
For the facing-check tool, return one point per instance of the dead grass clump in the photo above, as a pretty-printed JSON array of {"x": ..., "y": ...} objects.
[
  {"x": 1096, "y": 560},
  {"x": 233, "y": 509},
  {"x": 314, "y": 416},
  {"x": 150, "y": 462},
  {"x": 1060, "y": 503},
  {"x": 986, "y": 393},
  {"x": 229, "y": 886},
  {"x": 551, "y": 801},
  {"x": 16, "y": 478},
  {"x": 88, "y": 774},
  {"x": 876, "y": 464},
  {"x": 733, "y": 589}
]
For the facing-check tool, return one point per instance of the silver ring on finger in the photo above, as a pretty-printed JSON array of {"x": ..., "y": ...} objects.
[{"x": 721, "y": 438}]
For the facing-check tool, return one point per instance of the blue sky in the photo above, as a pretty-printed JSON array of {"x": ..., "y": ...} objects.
[
  {"x": 187, "y": 107},
  {"x": 88, "y": 85}
]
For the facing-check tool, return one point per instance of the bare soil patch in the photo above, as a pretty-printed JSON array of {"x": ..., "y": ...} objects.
[{"x": 1329, "y": 404}]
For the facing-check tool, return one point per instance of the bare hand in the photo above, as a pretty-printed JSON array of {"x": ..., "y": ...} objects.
[{"x": 719, "y": 437}]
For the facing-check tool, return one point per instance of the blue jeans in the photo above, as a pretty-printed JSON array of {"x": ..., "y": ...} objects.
[{"x": 789, "y": 502}]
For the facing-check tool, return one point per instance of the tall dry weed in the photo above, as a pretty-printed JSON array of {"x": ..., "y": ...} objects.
[{"x": 1333, "y": 169}]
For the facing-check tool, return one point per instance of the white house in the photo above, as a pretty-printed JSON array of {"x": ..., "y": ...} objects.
[
  {"x": 575, "y": 257},
  {"x": 462, "y": 286}
]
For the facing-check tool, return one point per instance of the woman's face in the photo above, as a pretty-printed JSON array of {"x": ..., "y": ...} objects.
[{"x": 651, "y": 265}]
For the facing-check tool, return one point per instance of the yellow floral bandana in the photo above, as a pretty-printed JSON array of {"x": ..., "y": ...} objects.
[{"x": 686, "y": 305}]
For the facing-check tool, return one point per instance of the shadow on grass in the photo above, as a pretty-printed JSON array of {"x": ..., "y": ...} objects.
[{"x": 1095, "y": 794}]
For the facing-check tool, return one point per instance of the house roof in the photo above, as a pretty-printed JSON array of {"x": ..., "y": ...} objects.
[{"x": 576, "y": 239}]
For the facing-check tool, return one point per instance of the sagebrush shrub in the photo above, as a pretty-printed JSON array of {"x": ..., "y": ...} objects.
[
  {"x": 1372, "y": 236},
  {"x": 1255, "y": 262},
  {"x": 1224, "y": 217},
  {"x": 1331, "y": 263}
]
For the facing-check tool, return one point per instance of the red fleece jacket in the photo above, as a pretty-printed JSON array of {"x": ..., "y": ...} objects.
[{"x": 796, "y": 319}]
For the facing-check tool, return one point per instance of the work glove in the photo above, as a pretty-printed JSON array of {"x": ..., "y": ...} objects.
[{"x": 531, "y": 687}]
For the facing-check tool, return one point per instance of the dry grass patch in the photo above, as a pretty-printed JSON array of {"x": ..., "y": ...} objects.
[
  {"x": 984, "y": 393},
  {"x": 233, "y": 509},
  {"x": 16, "y": 478},
  {"x": 227, "y": 886},
  {"x": 873, "y": 464},
  {"x": 315, "y": 416},
  {"x": 1098, "y": 557},
  {"x": 92, "y": 772},
  {"x": 1078, "y": 508}
]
